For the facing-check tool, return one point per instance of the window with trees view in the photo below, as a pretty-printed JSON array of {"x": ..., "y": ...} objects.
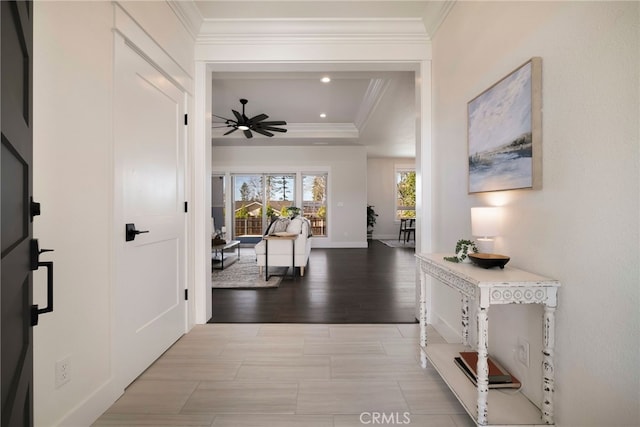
[
  {"x": 314, "y": 201},
  {"x": 258, "y": 199},
  {"x": 405, "y": 193}
]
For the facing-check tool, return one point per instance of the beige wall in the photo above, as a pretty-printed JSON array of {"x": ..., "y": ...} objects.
[
  {"x": 73, "y": 179},
  {"x": 582, "y": 226}
]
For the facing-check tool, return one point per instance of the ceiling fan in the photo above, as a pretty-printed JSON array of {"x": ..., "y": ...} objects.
[{"x": 255, "y": 124}]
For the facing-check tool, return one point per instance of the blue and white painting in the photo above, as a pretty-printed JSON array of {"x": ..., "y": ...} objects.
[{"x": 500, "y": 136}]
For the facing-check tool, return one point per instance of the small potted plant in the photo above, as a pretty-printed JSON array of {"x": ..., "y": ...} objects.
[
  {"x": 371, "y": 221},
  {"x": 293, "y": 211},
  {"x": 463, "y": 248}
]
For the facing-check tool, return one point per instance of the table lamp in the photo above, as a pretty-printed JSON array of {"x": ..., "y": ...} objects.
[{"x": 485, "y": 224}]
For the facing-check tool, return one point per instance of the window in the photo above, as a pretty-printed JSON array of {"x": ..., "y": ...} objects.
[
  {"x": 257, "y": 200},
  {"x": 280, "y": 194},
  {"x": 314, "y": 201},
  {"x": 405, "y": 193}
]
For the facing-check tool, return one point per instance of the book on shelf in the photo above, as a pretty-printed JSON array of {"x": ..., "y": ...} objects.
[{"x": 498, "y": 376}]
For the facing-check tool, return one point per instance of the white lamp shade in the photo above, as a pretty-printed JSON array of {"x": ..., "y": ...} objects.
[{"x": 485, "y": 221}]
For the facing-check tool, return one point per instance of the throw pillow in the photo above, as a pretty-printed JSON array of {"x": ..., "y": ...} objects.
[
  {"x": 295, "y": 226},
  {"x": 278, "y": 226}
]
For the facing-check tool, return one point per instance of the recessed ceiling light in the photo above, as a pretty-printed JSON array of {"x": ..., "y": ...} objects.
[
  {"x": 323, "y": 115},
  {"x": 325, "y": 79}
]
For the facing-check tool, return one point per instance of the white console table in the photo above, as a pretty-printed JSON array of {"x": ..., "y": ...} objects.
[{"x": 484, "y": 287}]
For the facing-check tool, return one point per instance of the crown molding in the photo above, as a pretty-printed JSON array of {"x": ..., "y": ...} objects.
[
  {"x": 189, "y": 14},
  {"x": 409, "y": 30},
  {"x": 267, "y": 31},
  {"x": 435, "y": 13},
  {"x": 302, "y": 131},
  {"x": 372, "y": 97}
]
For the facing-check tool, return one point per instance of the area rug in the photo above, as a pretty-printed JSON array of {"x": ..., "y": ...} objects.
[
  {"x": 394, "y": 243},
  {"x": 244, "y": 274}
]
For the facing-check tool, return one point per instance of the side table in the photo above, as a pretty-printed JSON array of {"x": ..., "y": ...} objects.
[
  {"x": 292, "y": 238},
  {"x": 219, "y": 249},
  {"x": 483, "y": 288}
]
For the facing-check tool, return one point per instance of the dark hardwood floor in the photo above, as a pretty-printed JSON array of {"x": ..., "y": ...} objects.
[{"x": 372, "y": 285}]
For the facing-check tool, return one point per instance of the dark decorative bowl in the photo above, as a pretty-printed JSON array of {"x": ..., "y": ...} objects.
[{"x": 488, "y": 260}]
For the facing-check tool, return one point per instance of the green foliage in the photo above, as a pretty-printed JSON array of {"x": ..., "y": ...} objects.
[
  {"x": 243, "y": 212},
  {"x": 460, "y": 245},
  {"x": 463, "y": 247},
  {"x": 322, "y": 212},
  {"x": 371, "y": 216},
  {"x": 270, "y": 211},
  {"x": 292, "y": 211},
  {"x": 407, "y": 189},
  {"x": 407, "y": 214}
]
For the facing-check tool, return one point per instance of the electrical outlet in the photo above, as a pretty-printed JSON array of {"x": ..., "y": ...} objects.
[
  {"x": 63, "y": 371},
  {"x": 522, "y": 351}
]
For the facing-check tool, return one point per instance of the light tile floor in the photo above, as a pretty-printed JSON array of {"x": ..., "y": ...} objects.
[{"x": 290, "y": 375}]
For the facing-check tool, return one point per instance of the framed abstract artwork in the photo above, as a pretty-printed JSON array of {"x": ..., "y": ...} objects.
[{"x": 505, "y": 132}]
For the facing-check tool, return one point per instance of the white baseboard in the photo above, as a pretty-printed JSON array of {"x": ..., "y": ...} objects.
[
  {"x": 448, "y": 332},
  {"x": 90, "y": 409}
]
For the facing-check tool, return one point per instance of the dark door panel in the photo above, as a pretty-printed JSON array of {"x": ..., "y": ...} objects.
[{"x": 16, "y": 337}]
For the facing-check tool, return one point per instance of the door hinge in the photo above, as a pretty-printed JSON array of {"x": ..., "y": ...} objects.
[
  {"x": 186, "y": 120},
  {"x": 186, "y": 206},
  {"x": 186, "y": 294}
]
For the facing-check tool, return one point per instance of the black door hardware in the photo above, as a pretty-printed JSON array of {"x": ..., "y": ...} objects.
[
  {"x": 34, "y": 208},
  {"x": 35, "y": 264},
  {"x": 131, "y": 232}
]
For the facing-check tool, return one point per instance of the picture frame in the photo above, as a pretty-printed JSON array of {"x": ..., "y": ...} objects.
[{"x": 504, "y": 131}]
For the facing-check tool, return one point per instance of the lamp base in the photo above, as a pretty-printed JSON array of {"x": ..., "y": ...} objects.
[{"x": 485, "y": 245}]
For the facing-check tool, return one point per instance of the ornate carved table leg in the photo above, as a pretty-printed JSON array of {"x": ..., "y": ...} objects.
[
  {"x": 465, "y": 319},
  {"x": 423, "y": 309},
  {"x": 548, "y": 373},
  {"x": 483, "y": 366}
]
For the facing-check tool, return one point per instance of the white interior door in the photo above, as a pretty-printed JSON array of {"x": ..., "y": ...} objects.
[{"x": 149, "y": 139}]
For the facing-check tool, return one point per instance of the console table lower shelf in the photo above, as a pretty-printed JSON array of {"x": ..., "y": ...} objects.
[{"x": 508, "y": 407}]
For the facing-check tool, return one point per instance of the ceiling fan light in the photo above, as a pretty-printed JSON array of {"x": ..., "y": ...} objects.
[
  {"x": 325, "y": 79},
  {"x": 243, "y": 127}
]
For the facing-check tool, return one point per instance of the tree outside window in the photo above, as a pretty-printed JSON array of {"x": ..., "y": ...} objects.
[
  {"x": 405, "y": 194},
  {"x": 314, "y": 201}
]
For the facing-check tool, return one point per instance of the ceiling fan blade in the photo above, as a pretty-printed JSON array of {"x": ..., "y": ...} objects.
[
  {"x": 238, "y": 116},
  {"x": 263, "y": 132},
  {"x": 223, "y": 118},
  {"x": 231, "y": 131},
  {"x": 273, "y": 123},
  {"x": 248, "y": 134},
  {"x": 271, "y": 128},
  {"x": 218, "y": 127},
  {"x": 258, "y": 118}
]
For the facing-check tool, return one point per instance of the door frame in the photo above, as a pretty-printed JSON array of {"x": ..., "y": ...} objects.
[{"x": 212, "y": 59}]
